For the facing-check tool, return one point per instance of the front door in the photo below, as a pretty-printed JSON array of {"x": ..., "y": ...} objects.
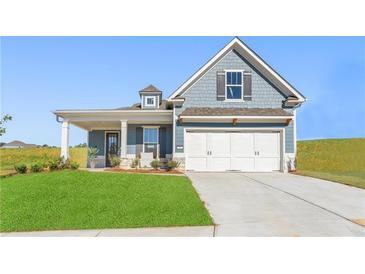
[{"x": 112, "y": 146}]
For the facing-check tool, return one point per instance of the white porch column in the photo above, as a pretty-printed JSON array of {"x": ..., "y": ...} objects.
[
  {"x": 123, "y": 142},
  {"x": 64, "y": 139}
]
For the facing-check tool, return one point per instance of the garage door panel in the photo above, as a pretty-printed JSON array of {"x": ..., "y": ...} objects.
[
  {"x": 218, "y": 164},
  {"x": 242, "y": 144},
  {"x": 197, "y": 164},
  {"x": 243, "y": 164},
  {"x": 197, "y": 144},
  {"x": 219, "y": 144},
  {"x": 267, "y": 144},
  {"x": 267, "y": 164}
]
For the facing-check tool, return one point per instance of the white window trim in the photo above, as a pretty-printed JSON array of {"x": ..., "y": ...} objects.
[
  {"x": 158, "y": 138},
  {"x": 154, "y": 101},
  {"x": 225, "y": 86}
]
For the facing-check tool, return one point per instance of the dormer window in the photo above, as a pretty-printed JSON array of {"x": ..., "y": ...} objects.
[
  {"x": 150, "y": 97},
  {"x": 150, "y": 101},
  {"x": 234, "y": 85}
]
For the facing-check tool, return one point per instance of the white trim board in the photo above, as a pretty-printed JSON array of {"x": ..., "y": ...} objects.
[
  {"x": 239, "y": 119},
  {"x": 237, "y": 45}
]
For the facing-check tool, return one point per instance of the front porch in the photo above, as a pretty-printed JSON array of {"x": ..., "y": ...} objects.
[{"x": 126, "y": 134}]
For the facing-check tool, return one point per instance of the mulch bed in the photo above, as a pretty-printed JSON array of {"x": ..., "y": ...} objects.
[{"x": 148, "y": 171}]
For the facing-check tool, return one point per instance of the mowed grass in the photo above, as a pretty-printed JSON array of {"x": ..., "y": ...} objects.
[
  {"x": 86, "y": 200},
  {"x": 11, "y": 156},
  {"x": 339, "y": 160}
]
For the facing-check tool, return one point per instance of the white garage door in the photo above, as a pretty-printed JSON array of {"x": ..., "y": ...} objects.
[{"x": 243, "y": 151}]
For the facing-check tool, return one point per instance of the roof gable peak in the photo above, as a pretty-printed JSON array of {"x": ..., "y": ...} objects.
[
  {"x": 242, "y": 49},
  {"x": 150, "y": 88}
]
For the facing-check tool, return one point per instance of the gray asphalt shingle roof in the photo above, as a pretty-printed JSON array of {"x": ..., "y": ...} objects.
[
  {"x": 234, "y": 112},
  {"x": 137, "y": 106},
  {"x": 150, "y": 88}
]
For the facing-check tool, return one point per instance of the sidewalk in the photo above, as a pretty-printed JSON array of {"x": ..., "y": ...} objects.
[{"x": 184, "y": 231}]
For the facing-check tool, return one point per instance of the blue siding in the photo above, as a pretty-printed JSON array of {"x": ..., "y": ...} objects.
[
  {"x": 203, "y": 94},
  {"x": 289, "y": 138},
  {"x": 96, "y": 139}
]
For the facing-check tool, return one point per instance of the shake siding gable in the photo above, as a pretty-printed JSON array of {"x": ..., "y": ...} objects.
[{"x": 203, "y": 93}]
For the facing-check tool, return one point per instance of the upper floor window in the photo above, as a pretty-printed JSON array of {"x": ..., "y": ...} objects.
[
  {"x": 234, "y": 85},
  {"x": 150, "y": 101}
]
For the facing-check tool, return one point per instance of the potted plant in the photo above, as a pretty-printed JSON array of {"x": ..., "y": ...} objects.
[{"x": 92, "y": 153}]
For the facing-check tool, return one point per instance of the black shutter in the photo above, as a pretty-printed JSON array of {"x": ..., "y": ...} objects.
[
  {"x": 221, "y": 85},
  {"x": 139, "y": 141},
  {"x": 247, "y": 86}
]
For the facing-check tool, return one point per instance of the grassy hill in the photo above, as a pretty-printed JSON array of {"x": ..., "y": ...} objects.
[
  {"x": 339, "y": 160},
  {"x": 11, "y": 156}
]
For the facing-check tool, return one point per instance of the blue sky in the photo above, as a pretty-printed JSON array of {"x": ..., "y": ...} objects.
[{"x": 41, "y": 74}]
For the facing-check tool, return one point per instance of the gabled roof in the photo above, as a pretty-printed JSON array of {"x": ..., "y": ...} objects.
[
  {"x": 242, "y": 49},
  {"x": 150, "y": 88}
]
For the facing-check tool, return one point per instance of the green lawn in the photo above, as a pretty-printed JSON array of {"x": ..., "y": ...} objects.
[
  {"x": 338, "y": 160},
  {"x": 85, "y": 200}
]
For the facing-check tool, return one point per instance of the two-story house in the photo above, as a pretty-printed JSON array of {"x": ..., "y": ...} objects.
[{"x": 234, "y": 113}]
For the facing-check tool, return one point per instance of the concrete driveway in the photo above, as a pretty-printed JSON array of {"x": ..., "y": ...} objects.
[{"x": 277, "y": 204}]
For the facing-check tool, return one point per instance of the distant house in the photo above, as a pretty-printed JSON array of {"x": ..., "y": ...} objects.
[{"x": 18, "y": 144}]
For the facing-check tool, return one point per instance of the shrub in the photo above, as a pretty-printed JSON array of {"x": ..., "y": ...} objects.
[
  {"x": 114, "y": 161},
  {"x": 74, "y": 165},
  {"x": 155, "y": 164},
  {"x": 37, "y": 167},
  {"x": 53, "y": 164},
  {"x": 64, "y": 164},
  {"x": 21, "y": 168},
  {"x": 172, "y": 164},
  {"x": 135, "y": 163}
]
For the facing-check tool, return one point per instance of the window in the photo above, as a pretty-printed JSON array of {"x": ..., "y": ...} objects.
[
  {"x": 150, "y": 140},
  {"x": 234, "y": 85},
  {"x": 150, "y": 135},
  {"x": 150, "y": 101}
]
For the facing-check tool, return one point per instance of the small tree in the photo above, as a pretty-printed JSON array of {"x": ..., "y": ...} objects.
[{"x": 3, "y": 120}]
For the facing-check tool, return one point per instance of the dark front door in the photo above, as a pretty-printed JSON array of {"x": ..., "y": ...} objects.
[{"x": 112, "y": 146}]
